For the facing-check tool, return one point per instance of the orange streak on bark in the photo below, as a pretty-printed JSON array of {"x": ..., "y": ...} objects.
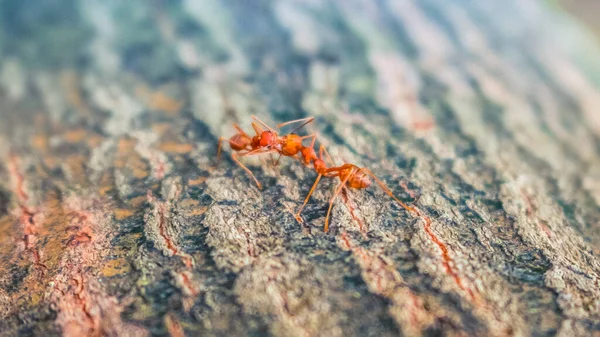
[
  {"x": 423, "y": 125},
  {"x": 531, "y": 212},
  {"x": 163, "y": 232},
  {"x": 173, "y": 326},
  {"x": 383, "y": 279},
  {"x": 351, "y": 208},
  {"x": 159, "y": 167},
  {"x": 412, "y": 194},
  {"x": 161, "y": 211},
  {"x": 173, "y": 147},
  {"x": 75, "y": 314},
  {"x": 446, "y": 259},
  {"x": 531, "y": 209},
  {"x": 83, "y": 307},
  {"x": 198, "y": 181},
  {"x": 188, "y": 261},
  {"x": 27, "y": 217},
  {"x": 345, "y": 240},
  {"x": 544, "y": 228},
  {"x": 189, "y": 285},
  {"x": 13, "y": 167}
]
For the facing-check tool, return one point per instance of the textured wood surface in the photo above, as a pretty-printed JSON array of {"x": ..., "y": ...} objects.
[{"x": 116, "y": 221}]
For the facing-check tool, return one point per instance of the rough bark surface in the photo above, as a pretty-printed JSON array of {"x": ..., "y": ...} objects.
[{"x": 115, "y": 219}]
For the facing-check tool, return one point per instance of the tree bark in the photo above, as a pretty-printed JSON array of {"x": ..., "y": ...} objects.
[{"x": 117, "y": 220}]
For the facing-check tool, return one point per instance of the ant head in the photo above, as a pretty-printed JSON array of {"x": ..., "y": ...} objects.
[{"x": 267, "y": 138}]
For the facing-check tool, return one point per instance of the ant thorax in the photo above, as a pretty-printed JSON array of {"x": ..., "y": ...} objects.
[{"x": 255, "y": 143}]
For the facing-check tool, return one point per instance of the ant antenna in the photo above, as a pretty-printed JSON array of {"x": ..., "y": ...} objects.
[
  {"x": 306, "y": 121},
  {"x": 323, "y": 149},
  {"x": 263, "y": 123}
]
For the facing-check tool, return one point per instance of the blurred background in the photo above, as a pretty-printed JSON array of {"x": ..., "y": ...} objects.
[
  {"x": 483, "y": 114},
  {"x": 587, "y": 11}
]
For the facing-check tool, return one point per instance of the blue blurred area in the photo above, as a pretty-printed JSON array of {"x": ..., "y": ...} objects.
[{"x": 43, "y": 33}]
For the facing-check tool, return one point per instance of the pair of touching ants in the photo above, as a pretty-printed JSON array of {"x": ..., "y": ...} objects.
[{"x": 267, "y": 140}]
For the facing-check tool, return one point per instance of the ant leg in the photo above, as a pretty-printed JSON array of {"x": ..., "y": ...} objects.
[
  {"x": 337, "y": 191},
  {"x": 263, "y": 161},
  {"x": 235, "y": 158},
  {"x": 306, "y": 158},
  {"x": 389, "y": 192},
  {"x": 306, "y": 121},
  {"x": 323, "y": 149},
  {"x": 302, "y": 125},
  {"x": 312, "y": 189},
  {"x": 341, "y": 168},
  {"x": 239, "y": 129},
  {"x": 347, "y": 201},
  {"x": 272, "y": 161},
  {"x": 314, "y": 139},
  {"x": 263, "y": 123},
  {"x": 257, "y": 152},
  {"x": 277, "y": 162},
  {"x": 312, "y": 135},
  {"x": 221, "y": 139}
]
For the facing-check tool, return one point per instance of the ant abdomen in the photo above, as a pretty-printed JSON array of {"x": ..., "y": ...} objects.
[
  {"x": 359, "y": 180},
  {"x": 291, "y": 145},
  {"x": 239, "y": 142}
]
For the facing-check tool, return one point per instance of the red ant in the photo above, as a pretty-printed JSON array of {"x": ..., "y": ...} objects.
[
  {"x": 290, "y": 145},
  {"x": 264, "y": 142},
  {"x": 356, "y": 177}
]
